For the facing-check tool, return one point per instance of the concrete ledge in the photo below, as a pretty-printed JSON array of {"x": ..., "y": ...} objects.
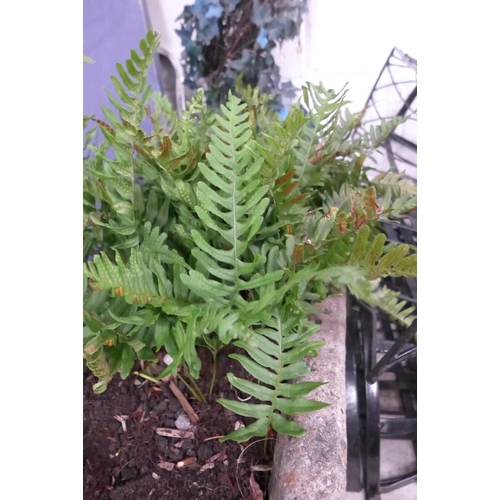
[{"x": 313, "y": 467}]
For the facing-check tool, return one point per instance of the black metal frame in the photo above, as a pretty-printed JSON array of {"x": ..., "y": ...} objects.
[
  {"x": 401, "y": 92},
  {"x": 399, "y": 351},
  {"x": 370, "y": 333},
  {"x": 366, "y": 425}
]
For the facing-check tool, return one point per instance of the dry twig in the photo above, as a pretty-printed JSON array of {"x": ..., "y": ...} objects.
[{"x": 184, "y": 402}]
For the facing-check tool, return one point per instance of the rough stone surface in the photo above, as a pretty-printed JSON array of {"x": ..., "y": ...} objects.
[{"x": 313, "y": 467}]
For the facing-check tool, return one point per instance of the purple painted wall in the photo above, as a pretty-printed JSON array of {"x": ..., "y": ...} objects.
[{"x": 111, "y": 28}]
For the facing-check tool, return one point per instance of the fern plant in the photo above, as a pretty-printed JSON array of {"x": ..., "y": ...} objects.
[{"x": 227, "y": 227}]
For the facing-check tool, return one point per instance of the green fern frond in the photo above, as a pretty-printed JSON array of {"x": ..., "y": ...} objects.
[
  {"x": 276, "y": 355},
  {"x": 341, "y": 157},
  {"x": 183, "y": 144},
  {"x": 165, "y": 116},
  {"x": 338, "y": 143},
  {"x": 153, "y": 247},
  {"x": 201, "y": 320},
  {"x": 350, "y": 276},
  {"x": 277, "y": 150},
  {"x": 118, "y": 329},
  {"x": 380, "y": 260},
  {"x": 278, "y": 172},
  {"x": 93, "y": 353},
  {"x": 231, "y": 204},
  {"x": 377, "y": 135},
  {"x": 179, "y": 342},
  {"x": 261, "y": 115},
  {"x": 393, "y": 182},
  {"x": 117, "y": 176},
  {"x": 133, "y": 90},
  {"x": 400, "y": 196},
  {"x": 388, "y": 301},
  {"x": 340, "y": 199},
  {"x": 324, "y": 107},
  {"x": 142, "y": 280}
]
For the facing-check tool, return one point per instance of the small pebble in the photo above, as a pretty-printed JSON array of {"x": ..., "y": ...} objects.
[{"x": 183, "y": 423}]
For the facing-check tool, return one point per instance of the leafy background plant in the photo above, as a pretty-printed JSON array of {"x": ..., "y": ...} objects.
[
  {"x": 226, "y": 227},
  {"x": 227, "y": 39}
]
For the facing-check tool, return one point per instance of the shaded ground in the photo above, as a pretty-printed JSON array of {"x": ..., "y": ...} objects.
[{"x": 123, "y": 465}]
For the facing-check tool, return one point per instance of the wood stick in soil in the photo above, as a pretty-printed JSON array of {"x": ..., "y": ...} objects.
[
  {"x": 184, "y": 402},
  {"x": 175, "y": 433},
  {"x": 173, "y": 387}
]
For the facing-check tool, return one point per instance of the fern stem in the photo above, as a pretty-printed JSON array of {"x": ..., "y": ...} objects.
[
  {"x": 194, "y": 386},
  {"x": 147, "y": 377},
  {"x": 214, "y": 372},
  {"x": 191, "y": 390}
]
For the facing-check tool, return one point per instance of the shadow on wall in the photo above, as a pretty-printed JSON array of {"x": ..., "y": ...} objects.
[{"x": 168, "y": 79}]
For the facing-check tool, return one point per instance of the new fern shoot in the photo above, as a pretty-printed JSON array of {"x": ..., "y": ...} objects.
[{"x": 220, "y": 228}]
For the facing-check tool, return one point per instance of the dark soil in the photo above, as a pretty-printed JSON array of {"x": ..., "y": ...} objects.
[{"x": 123, "y": 465}]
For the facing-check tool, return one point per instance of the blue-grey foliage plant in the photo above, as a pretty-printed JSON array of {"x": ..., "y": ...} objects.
[
  {"x": 225, "y": 228},
  {"x": 224, "y": 39}
]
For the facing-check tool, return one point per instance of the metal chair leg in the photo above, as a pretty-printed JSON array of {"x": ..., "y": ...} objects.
[
  {"x": 354, "y": 452},
  {"x": 372, "y": 437}
]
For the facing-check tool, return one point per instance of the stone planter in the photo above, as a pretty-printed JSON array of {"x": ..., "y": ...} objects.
[{"x": 313, "y": 467}]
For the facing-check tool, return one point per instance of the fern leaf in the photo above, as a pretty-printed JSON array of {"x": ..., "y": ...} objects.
[
  {"x": 276, "y": 355},
  {"x": 388, "y": 301},
  {"x": 232, "y": 204},
  {"x": 277, "y": 150},
  {"x": 377, "y": 135},
  {"x": 118, "y": 175},
  {"x": 93, "y": 353},
  {"x": 179, "y": 342},
  {"x": 380, "y": 260},
  {"x": 400, "y": 196},
  {"x": 135, "y": 82},
  {"x": 324, "y": 106},
  {"x": 374, "y": 251},
  {"x": 134, "y": 281},
  {"x": 393, "y": 182}
]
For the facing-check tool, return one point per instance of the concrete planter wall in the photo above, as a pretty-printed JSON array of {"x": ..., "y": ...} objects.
[{"x": 313, "y": 467}]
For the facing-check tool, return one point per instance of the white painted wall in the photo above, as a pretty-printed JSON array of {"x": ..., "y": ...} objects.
[{"x": 348, "y": 42}]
